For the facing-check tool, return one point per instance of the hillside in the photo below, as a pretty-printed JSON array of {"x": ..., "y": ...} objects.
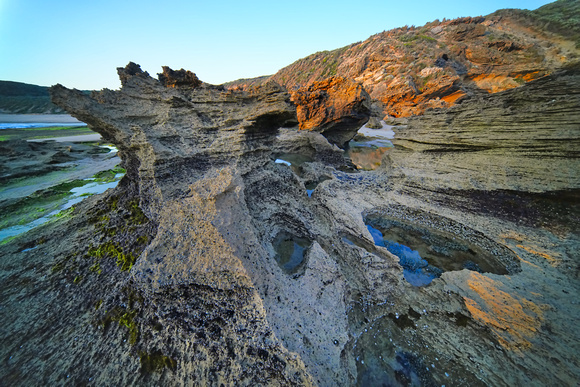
[
  {"x": 23, "y": 98},
  {"x": 410, "y": 69}
]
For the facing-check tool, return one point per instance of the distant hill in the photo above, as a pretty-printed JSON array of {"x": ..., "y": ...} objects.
[
  {"x": 410, "y": 69},
  {"x": 23, "y": 98}
]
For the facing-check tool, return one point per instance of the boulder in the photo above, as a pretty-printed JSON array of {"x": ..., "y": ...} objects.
[{"x": 374, "y": 123}]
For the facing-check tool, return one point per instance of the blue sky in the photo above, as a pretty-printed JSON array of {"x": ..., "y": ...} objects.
[{"x": 79, "y": 43}]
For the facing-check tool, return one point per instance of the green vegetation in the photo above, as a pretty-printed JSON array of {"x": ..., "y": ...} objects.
[
  {"x": 108, "y": 176},
  {"x": 25, "y": 210},
  {"x": 9, "y": 239},
  {"x": 18, "y": 89},
  {"x": 156, "y": 362},
  {"x": 47, "y": 132},
  {"x": 412, "y": 38},
  {"x": 96, "y": 268},
  {"x": 28, "y": 105},
  {"x": 30, "y": 208},
  {"x": 64, "y": 213},
  {"x": 113, "y": 250},
  {"x": 124, "y": 254},
  {"x": 23, "y": 98},
  {"x": 561, "y": 17},
  {"x": 127, "y": 320},
  {"x": 124, "y": 318},
  {"x": 137, "y": 215}
]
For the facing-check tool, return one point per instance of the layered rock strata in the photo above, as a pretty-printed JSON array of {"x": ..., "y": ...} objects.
[
  {"x": 408, "y": 70},
  {"x": 524, "y": 139}
]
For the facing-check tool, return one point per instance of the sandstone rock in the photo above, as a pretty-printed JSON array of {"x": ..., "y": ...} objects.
[
  {"x": 389, "y": 120},
  {"x": 427, "y": 71},
  {"x": 180, "y": 275},
  {"x": 467, "y": 31},
  {"x": 200, "y": 162},
  {"x": 374, "y": 123},
  {"x": 336, "y": 107},
  {"x": 500, "y": 150},
  {"x": 254, "y": 115},
  {"x": 506, "y": 48},
  {"x": 179, "y": 78}
]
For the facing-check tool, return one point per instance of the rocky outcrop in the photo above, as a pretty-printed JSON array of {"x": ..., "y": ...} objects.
[
  {"x": 245, "y": 120},
  {"x": 238, "y": 252},
  {"x": 523, "y": 140},
  {"x": 336, "y": 107},
  {"x": 179, "y": 78},
  {"x": 218, "y": 218}
]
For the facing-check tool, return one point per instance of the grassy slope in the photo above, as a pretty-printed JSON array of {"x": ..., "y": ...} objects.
[
  {"x": 23, "y": 98},
  {"x": 38, "y": 133}
]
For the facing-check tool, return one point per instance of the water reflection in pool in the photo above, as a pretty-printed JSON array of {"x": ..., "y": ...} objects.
[
  {"x": 367, "y": 149},
  {"x": 425, "y": 253},
  {"x": 290, "y": 251}
]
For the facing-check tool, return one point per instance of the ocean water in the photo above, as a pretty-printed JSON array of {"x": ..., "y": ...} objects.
[{"x": 26, "y": 125}]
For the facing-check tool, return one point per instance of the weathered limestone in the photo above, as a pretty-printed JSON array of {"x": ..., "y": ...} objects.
[
  {"x": 213, "y": 262},
  {"x": 524, "y": 139}
]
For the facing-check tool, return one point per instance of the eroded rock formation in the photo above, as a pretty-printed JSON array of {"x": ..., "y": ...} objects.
[
  {"x": 336, "y": 107},
  {"x": 215, "y": 262},
  {"x": 179, "y": 78}
]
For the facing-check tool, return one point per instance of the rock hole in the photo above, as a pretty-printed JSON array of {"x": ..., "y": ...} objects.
[
  {"x": 293, "y": 160},
  {"x": 291, "y": 252},
  {"x": 311, "y": 186}
]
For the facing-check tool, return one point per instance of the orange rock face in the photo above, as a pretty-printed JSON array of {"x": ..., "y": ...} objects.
[
  {"x": 337, "y": 107},
  {"x": 514, "y": 321}
]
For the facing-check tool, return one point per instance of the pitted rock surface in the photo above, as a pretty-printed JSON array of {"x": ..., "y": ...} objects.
[{"x": 174, "y": 278}]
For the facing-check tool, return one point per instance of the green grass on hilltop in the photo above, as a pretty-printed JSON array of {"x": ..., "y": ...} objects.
[
  {"x": 561, "y": 17},
  {"x": 40, "y": 133}
]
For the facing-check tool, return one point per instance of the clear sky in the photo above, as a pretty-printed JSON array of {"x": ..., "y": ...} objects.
[{"x": 79, "y": 43}]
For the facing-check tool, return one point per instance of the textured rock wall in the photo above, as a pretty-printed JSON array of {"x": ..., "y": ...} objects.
[
  {"x": 524, "y": 139},
  {"x": 211, "y": 263},
  {"x": 336, "y": 107},
  {"x": 200, "y": 160}
]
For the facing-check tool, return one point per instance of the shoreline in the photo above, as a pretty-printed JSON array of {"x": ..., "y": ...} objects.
[{"x": 39, "y": 118}]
